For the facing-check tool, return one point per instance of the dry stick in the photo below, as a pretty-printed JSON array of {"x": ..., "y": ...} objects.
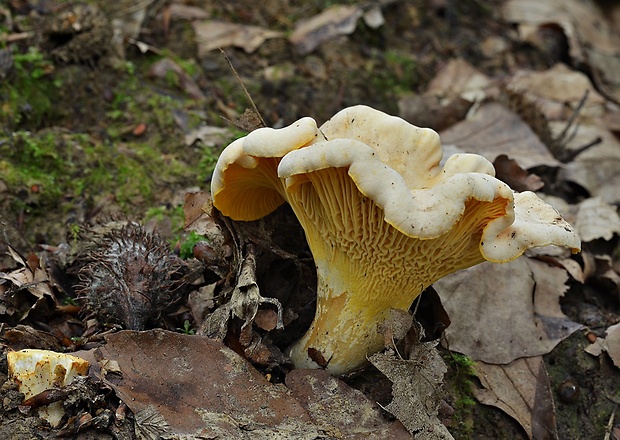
[
  {"x": 565, "y": 137},
  {"x": 234, "y": 71},
  {"x": 11, "y": 38},
  {"x": 610, "y": 425}
]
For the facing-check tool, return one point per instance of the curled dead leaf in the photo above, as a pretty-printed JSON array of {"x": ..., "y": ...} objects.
[
  {"x": 415, "y": 389},
  {"x": 521, "y": 389},
  {"x": 515, "y": 306}
]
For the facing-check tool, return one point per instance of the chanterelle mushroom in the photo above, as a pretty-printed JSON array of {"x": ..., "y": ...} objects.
[{"x": 382, "y": 218}]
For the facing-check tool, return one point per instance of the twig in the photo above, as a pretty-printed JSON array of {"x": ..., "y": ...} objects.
[
  {"x": 560, "y": 142},
  {"x": 10, "y": 38},
  {"x": 564, "y": 137},
  {"x": 610, "y": 425},
  {"x": 234, "y": 71}
]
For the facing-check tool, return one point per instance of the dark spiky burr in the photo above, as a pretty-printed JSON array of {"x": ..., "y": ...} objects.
[{"x": 131, "y": 276}]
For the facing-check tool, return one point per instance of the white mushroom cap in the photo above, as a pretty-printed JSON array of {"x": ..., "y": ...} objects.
[{"x": 383, "y": 219}]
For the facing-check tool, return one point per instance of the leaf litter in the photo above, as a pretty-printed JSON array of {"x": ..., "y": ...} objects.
[{"x": 250, "y": 306}]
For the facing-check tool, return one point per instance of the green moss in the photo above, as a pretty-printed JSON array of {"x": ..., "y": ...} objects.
[
  {"x": 597, "y": 380},
  {"x": 187, "y": 246},
  {"x": 396, "y": 74},
  {"x": 462, "y": 373},
  {"x": 174, "y": 214},
  {"x": 27, "y": 94},
  {"x": 51, "y": 169}
]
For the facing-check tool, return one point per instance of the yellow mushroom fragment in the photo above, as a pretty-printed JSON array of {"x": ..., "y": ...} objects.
[
  {"x": 36, "y": 371},
  {"x": 382, "y": 218}
]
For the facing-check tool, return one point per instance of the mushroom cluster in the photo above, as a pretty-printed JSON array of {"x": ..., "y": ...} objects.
[{"x": 382, "y": 217}]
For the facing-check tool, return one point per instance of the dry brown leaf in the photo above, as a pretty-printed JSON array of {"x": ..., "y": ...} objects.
[
  {"x": 433, "y": 111},
  {"x": 460, "y": 78},
  {"x": 329, "y": 24},
  {"x": 416, "y": 387},
  {"x": 23, "y": 336},
  {"x": 592, "y": 38},
  {"x": 600, "y": 177},
  {"x": 448, "y": 98},
  {"x": 508, "y": 170},
  {"x": 495, "y": 130},
  {"x": 212, "y": 34},
  {"x": 502, "y": 312},
  {"x": 521, "y": 389},
  {"x": 208, "y": 135},
  {"x": 597, "y": 219},
  {"x": 180, "y": 385},
  {"x": 249, "y": 120},
  {"x": 187, "y": 12},
  {"x": 339, "y": 410},
  {"x": 25, "y": 289},
  {"x": 598, "y": 168},
  {"x": 243, "y": 304},
  {"x": 558, "y": 91},
  {"x": 196, "y": 218},
  {"x": 201, "y": 301}
]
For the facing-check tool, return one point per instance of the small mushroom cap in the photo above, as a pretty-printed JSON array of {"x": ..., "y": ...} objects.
[
  {"x": 38, "y": 370},
  {"x": 245, "y": 185}
]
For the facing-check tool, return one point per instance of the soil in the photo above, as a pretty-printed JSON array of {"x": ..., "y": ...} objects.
[{"x": 89, "y": 134}]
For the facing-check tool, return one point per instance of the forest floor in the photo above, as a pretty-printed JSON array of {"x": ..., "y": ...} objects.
[{"x": 116, "y": 112}]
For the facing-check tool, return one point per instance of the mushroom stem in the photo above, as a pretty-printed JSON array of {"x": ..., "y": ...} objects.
[
  {"x": 345, "y": 329},
  {"x": 365, "y": 266}
]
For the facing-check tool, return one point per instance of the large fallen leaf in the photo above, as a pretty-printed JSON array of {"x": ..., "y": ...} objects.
[
  {"x": 592, "y": 38},
  {"x": 448, "y": 97},
  {"x": 502, "y": 312},
  {"x": 521, "y": 389},
  {"x": 415, "y": 388},
  {"x": 212, "y": 34},
  {"x": 597, "y": 219},
  {"x": 180, "y": 385},
  {"x": 495, "y": 130},
  {"x": 208, "y": 135},
  {"x": 558, "y": 91},
  {"x": 335, "y": 21},
  {"x": 340, "y": 410}
]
